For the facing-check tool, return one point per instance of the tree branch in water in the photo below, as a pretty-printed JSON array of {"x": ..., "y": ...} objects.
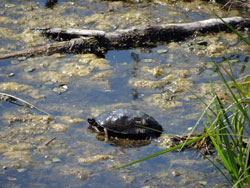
[{"x": 96, "y": 41}]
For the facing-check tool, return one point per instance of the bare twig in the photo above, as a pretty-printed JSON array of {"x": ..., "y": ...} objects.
[
  {"x": 51, "y": 140},
  {"x": 23, "y": 101}
]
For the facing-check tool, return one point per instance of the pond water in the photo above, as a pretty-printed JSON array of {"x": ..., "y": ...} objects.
[{"x": 37, "y": 150}]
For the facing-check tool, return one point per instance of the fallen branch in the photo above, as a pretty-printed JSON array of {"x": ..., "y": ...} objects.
[
  {"x": 138, "y": 36},
  {"x": 78, "y": 45},
  {"x": 13, "y": 99},
  {"x": 95, "y": 41},
  {"x": 51, "y": 140}
]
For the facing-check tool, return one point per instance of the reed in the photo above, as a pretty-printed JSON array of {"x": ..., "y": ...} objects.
[
  {"x": 227, "y": 124},
  {"x": 229, "y": 129}
]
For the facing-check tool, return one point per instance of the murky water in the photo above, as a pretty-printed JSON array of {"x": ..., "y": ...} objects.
[{"x": 37, "y": 150}]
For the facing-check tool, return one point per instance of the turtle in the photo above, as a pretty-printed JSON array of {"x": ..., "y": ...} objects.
[{"x": 126, "y": 123}]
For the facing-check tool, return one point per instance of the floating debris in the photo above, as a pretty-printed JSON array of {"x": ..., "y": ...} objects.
[
  {"x": 56, "y": 159},
  {"x": 10, "y": 74},
  {"x": 48, "y": 162},
  {"x": 60, "y": 127},
  {"x": 21, "y": 169},
  {"x": 96, "y": 158},
  {"x": 29, "y": 69},
  {"x": 21, "y": 155},
  {"x": 161, "y": 51},
  {"x": 14, "y": 86},
  {"x": 54, "y": 77},
  {"x": 76, "y": 69},
  {"x": 61, "y": 89},
  {"x": 11, "y": 178}
]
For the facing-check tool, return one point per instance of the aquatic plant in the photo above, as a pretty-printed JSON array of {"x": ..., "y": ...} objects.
[
  {"x": 228, "y": 130},
  {"x": 227, "y": 125}
]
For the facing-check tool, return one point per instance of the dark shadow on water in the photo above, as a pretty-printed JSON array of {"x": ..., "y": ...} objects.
[
  {"x": 51, "y": 3},
  {"x": 123, "y": 142}
]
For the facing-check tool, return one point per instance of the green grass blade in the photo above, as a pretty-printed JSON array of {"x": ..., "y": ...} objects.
[
  {"x": 218, "y": 168},
  {"x": 200, "y": 118},
  {"x": 232, "y": 29},
  {"x": 217, "y": 142},
  {"x": 238, "y": 104},
  {"x": 160, "y": 153}
]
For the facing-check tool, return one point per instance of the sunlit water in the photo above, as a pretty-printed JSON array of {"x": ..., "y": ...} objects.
[{"x": 40, "y": 152}]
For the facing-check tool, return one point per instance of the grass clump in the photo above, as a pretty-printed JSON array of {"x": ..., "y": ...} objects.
[
  {"x": 229, "y": 131},
  {"x": 227, "y": 125}
]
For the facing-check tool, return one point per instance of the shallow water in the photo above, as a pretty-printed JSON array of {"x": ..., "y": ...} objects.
[{"x": 37, "y": 150}]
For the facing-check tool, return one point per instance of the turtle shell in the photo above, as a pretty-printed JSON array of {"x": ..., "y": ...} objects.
[{"x": 129, "y": 122}]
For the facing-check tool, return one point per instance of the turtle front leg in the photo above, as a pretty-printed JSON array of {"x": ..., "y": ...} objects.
[{"x": 106, "y": 135}]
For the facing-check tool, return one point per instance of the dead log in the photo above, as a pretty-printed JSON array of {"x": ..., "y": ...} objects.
[
  {"x": 78, "y": 45},
  {"x": 82, "y": 41},
  {"x": 143, "y": 36}
]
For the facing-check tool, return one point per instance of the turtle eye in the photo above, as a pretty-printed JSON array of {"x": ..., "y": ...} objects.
[{"x": 91, "y": 121}]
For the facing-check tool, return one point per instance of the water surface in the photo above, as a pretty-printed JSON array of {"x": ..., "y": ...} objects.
[{"x": 41, "y": 151}]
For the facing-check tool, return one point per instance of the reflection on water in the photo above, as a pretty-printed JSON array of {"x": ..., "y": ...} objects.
[{"x": 37, "y": 150}]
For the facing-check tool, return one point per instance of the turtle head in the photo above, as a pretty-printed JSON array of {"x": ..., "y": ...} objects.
[{"x": 93, "y": 123}]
